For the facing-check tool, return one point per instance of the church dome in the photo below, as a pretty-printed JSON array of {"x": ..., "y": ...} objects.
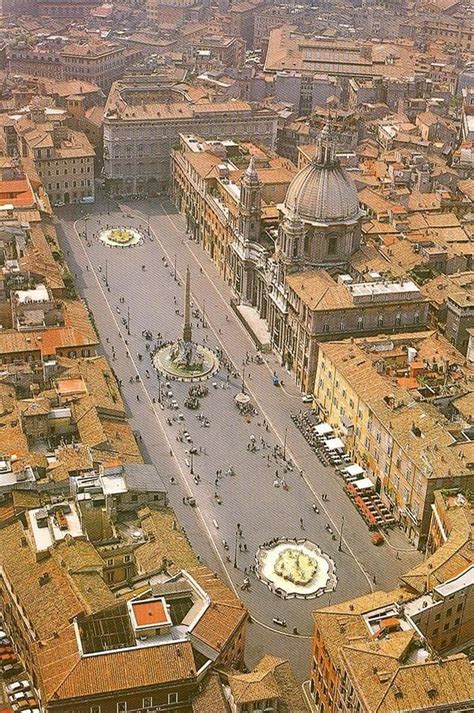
[{"x": 322, "y": 192}]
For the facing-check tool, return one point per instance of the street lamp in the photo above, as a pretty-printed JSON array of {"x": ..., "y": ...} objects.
[
  {"x": 235, "y": 548},
  {"x": 243, "y": 379},
  {"x": 106, "y": 274},
  {"x": 191, "y": 461},
  {"x": 284, "y": 443},
  {"x": 204, "y": 313},
  {"x": 128, "y": 320},
  {"x": 340, "y": 534},
  {"x": 174, "y": 263},
  {"x": 86, "y": 218},
  {"x": 159, "y": 389}
]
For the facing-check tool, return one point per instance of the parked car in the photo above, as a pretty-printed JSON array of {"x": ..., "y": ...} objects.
[
  {"x": 11, "y": 668},
  {"x": 17, "y": 696},
  {"x": 307, "y": 398},
  {"x": 377, "y": 538},
  {"x": 16, "y": 686},
  {"x": 25, "y": 704}
]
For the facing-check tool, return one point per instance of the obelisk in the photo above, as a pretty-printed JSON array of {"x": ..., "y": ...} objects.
[{"x": 187, "y": 326}]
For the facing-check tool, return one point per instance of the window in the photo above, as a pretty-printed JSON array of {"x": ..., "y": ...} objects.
[
  {"x": 122, "y": 707},
  {"x": 127, "y": 558},
  {"x": 398, "y": 319},
  {"x": 147, "y": 702},
  {"x": 95, "y": 709},
  {"x": 380, "y": 320},
  {"x": 172, "y": 698},
  {"x": 110, "y": 562},
  {"x": 332, "y": 246}
]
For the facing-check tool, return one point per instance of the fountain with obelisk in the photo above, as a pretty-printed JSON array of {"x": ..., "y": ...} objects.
[{"x": 184, "y": 359}]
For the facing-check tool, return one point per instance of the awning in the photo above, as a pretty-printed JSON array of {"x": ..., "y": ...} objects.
[
  {"x": 363, "y": 484},
  {"x": 353, "y": 469},
  {"x": 334, "y": 444},
  {"x": 322, "y": 429}
]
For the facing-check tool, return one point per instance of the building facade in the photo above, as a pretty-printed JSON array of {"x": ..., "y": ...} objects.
[
  {"x": 403, "y": 447},
  {"x": 142, "y": 123}
]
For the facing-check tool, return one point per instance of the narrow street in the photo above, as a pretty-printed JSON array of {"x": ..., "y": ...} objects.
[{"x": 153, "y": 300}]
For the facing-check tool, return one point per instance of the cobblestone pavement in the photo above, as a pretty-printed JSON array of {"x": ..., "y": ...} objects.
[{"x": 103, "y": 275}]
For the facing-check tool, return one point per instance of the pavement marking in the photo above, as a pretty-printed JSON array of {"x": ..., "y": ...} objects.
[
  {"x": 182, "y": 472},
  {"x": 288, "y": 450}
]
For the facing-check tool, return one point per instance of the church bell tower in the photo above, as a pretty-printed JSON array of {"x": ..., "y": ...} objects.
[{"x": 250, "y": 204}]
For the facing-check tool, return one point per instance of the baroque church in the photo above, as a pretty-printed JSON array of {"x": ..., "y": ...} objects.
[{"x": 319, "y": 230}]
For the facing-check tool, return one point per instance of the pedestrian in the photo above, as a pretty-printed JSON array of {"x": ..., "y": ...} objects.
[
  {"x": 138, "y": 398},
  {"x": 240, "y": 547},
  {"x": 172, "y": 480},
  {"x": 374, "y": 579},
  {"x": 184, "y": 500},
  {"x": 245, "y": 548},
  {"x": 301, "y": 523}
]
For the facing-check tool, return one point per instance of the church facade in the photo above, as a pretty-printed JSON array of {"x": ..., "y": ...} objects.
[{"x": 318, "y": 230}]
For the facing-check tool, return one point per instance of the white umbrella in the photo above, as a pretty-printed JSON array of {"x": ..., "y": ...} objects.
[
  {"x": 363, "y": 484},
  {"x": 241, "y": 398},
  {"x": 334, "y": 444},
  {"x": 322, "y": 429},
  {"x": 353, "y": 469}
]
